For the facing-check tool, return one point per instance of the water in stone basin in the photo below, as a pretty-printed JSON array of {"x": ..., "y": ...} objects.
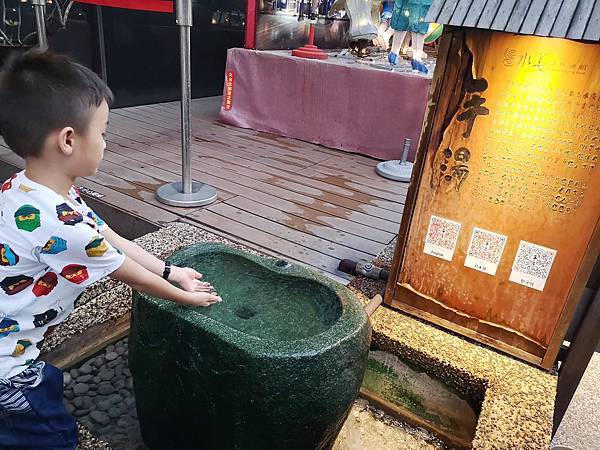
[{"x": 262, "y": 303}]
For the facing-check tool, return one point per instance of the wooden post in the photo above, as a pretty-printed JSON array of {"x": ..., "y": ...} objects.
[
  {"x": 251, "y": 21},
  {"x": 580, "y": 353}
]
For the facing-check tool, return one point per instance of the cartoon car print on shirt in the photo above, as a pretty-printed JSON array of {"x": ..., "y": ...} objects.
[
  {"x": 45, "y": 284},
  {"x": 27, "y": 218},
  {"x": 8, "y": 326},
  {"x": 7, "y": 256},
  {"x": 75, "y": 273},
  {"x": 54, "y": 246},
  {"x": 21, "y": 346},
  {"x": 96, "y": 247},
  {"x": 8, "y": 183},
  {"x": 14, "y": 285},
  {"x": 39, "y": 320},
  {"x": 68, "y": 215}
]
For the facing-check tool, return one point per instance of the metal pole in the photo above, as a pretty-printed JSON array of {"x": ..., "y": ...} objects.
[
  {"x": 40, "y": 6},
  {"x": 184, "y": 20},
  {"x": 101, "y": 46},
  {"x": 187, "y": 193},
  {"x": 407, "y": 142}
]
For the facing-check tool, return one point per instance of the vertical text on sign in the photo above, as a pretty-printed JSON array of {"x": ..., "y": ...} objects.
[{"x": 228, "y": 90}]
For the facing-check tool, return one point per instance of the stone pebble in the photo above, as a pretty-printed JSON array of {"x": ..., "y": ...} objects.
[{"x": 100, "y": 395}]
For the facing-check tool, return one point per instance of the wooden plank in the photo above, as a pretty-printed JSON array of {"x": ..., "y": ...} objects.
[
  {"x": 262, "y": 161},
  {"x": 84, "y": 345},
  {"x": 261, "y": 140},
  {"x": 397, "y": 199},
  {"x": 398, "y": 189},
  {"x": 289, "y": 249},
  {"x": 462, "y": 8},
  {"x": 468, "y": 332},
  {"x": 135, "y": 207},
  {"x": 518, "y": 16},
  {"x": 407, "y": 416},
  {"x": 451, "y": 66},
  {"x": 155, "y": 212},
  {"x": 592, "y": 30},
  {"x": 336, "y": 188},
  {"x": 503, "y": 15},
  {"x": 580, "y": 19},
  {"x": 475, "y": 12},
  {"x": 534, "y": 13},
  {"x": 581, "y": 350},
  {"x": 130, "y": 169},
  {"x": 136, "y": 191},
  {"x": 302, "y": 224},
  {"x": 564, "y": 19},
  {"x": 334, "y": 194},
  {"x": 549, "y": 17},
  {"x": 583, "y": 275},
  {"x": 488, "y": 14},
  {"x": 308, "y": 213},
  {"x": 264, "y": 138},
  {"x": 217, "y": 138},
  {"x": 325, "y": 203},
  {"x": 433, "y": 15},
  {"x": 307, "y": 240},
  {"x": 447, "y": 11}
]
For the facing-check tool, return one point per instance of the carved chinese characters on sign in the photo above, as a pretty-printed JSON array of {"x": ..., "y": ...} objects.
[
  {"x": 516, "y": 166},
  {"x": 546, "y": 148},
  {"x": 451, "y": 166}
]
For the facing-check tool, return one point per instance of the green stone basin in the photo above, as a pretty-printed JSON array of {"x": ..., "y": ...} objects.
[{"x": 276, "y": 365}]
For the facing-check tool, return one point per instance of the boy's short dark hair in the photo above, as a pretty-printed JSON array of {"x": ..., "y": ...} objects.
[{"x": 41, "y": 92}]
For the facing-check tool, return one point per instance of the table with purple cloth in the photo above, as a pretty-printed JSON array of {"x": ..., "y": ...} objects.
[{"x": 339, "y": 103}]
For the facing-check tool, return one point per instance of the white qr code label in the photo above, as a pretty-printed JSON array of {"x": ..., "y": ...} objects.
[
  {"x": 532, "y": 265},
  {"x": 441, "y": 238},
  {"x": 485, "y": 251}
]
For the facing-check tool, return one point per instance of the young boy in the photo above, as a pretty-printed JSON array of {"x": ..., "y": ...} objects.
[{"x": 54, "y": 113}]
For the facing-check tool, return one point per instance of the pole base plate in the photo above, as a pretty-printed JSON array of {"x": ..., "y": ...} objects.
[
  {"x": 172, "y": 194},
  {"x": 395, "y": 170}
]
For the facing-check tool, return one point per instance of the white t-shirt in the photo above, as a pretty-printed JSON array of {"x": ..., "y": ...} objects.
[{"x": 51, "y": 249}]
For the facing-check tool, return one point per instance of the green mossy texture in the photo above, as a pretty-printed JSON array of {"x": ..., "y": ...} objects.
[{"x": 201, "y": 384}]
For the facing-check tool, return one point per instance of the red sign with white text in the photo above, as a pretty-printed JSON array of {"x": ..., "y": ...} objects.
[
  {"x": 144, "y": 5},
  {"x": 228, "y": 101}
]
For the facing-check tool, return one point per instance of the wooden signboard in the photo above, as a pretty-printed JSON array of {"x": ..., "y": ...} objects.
[{"x": 501, "y": 228}]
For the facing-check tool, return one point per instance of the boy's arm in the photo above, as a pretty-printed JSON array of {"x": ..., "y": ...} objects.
[
  {"x": 186, "y": 277},
  {"x": 142, "y": 280}
]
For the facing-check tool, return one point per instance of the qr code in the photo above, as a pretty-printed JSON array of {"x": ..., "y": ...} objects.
[
  {"x": 486, "y": 245},
  {"x": 443, "y": 233},
  {"x": 534, "y": 260}
]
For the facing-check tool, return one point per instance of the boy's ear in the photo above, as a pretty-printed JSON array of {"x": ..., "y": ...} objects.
[{"x": 65, "y": 140}]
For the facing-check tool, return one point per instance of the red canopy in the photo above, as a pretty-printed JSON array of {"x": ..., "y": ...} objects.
[{"x": 145, "y": 5}]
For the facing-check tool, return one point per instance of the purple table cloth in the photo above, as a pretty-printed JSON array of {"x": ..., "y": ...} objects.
[{"x": 336, "y": 103}]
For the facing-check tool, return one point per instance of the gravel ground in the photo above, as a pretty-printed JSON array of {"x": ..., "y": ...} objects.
[{"x": 517, "y": 399}]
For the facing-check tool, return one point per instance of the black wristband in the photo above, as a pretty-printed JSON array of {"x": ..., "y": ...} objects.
[{"x": 167, "y": 270}]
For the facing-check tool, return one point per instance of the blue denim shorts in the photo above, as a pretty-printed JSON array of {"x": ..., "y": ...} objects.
[{"x": 37, "y": 417}]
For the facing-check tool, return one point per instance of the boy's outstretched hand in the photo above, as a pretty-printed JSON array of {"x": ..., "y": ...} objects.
[
  {"x": 143, "y": 280},
  {"x": 189, "y": 279}
]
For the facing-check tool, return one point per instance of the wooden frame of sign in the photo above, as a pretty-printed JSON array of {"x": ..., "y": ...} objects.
[{"x": 501, "y": 230}]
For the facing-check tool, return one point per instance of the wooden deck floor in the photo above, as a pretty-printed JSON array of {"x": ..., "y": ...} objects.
[{"x": 308, "y": 203}]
